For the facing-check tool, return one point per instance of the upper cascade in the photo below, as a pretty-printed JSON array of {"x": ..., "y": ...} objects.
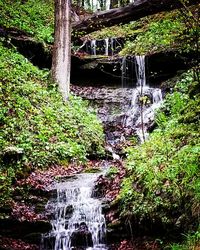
[
  {"x": 109, "y": 46},
  {"x": 140, "y": 71},
  {"x": 145, "y": 100}
]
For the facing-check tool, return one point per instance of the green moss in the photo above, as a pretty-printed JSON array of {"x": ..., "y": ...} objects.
[
  {"x": 92, "y": 170},
  {"x": 126, "y": 31},
  {"x": 160, "y": 32}
]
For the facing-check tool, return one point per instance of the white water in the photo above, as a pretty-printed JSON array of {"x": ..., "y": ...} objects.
[
  {"x": 112, "y": 46},
  {"x": 76, "y": 196},
  {"x": 140, "y": 71},
  {"x": 107, "y": 46},
  {"x": 145, "y": 100},
  {"x": 93, "y": 47}
]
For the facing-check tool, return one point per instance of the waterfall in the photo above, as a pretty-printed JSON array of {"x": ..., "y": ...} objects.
[
  {"x": 106, "y": 46},
  {"x": 148, "y": 113},
  {"x": 145, "y": 100},
  {"x": 124, "y": 70},
  {"x": 93, "y": 47},
  {"x": 76, "y": 212},
  {"x": 146, "y": 94},
  {"x": 112, "y": 46},
  {"x": 140, "y": 71}
]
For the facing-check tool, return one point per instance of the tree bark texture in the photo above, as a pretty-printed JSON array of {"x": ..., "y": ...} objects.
[
  {"x": 131, "y": 12},
  {"x": 61, "y": 60}
]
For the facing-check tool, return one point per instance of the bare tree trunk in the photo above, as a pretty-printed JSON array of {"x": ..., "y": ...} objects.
[{"x": 61, "y": 60}]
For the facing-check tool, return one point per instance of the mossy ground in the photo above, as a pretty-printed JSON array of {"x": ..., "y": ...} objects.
[
  {"x": 35, "y": 17},
  {"x": 34, "y": 120},
  {"x": 163, "y": 177}
]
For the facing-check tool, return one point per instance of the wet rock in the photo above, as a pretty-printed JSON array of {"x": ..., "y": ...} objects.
[
  {"x": 39, "y": 208},
  {"x": 82, "y": 237},
  {"x": 18, "y": 229},
  {"x": 33, "y": 238}
]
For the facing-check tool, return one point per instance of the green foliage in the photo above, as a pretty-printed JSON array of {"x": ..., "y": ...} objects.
[
  {"x": 126, "y": 30},
  {"x": 112, "y": 172},
  {"x": 161, "y": 32},
  {"x": 163, "y": 180},
  {"x": 32, "y": 16},
  {"x": 192, "y": 242},
  {"x": 33, "y": 118}
]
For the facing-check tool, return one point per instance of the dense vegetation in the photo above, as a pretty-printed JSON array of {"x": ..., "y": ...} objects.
[
  {"x": 162, "y": 185},
  {"x": 33, "y": 17},
  {"x": 176, "y": 30},
  {"x": 35, "y": 122}
]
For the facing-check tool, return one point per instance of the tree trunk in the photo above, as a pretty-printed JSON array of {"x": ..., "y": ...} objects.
[
  {"x": 131, "y": 12},
  {"x": 61, "y": 60}
]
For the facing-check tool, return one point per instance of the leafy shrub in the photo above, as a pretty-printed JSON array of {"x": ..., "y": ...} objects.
[{"x": 112, "y": 172}]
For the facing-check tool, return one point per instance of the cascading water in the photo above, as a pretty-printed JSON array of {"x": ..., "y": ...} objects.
[
  {"x": 93, "y": 47},
  {"x": 106, "y": 46},
  {"x": 78, "y": 221},
  {"x": 140, "y": 71},
  {"x": 112, "y": 46},
  {"x": 145, "y": 100}
]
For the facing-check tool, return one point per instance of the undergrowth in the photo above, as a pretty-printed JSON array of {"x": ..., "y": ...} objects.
[
  {"x": 32, "y": 16},
  {"x": 191, "y": 242},
  {"x": 37, "y": 128},
  {"x": 161, "y": 32},
  {"x": 163, "y": 180}
]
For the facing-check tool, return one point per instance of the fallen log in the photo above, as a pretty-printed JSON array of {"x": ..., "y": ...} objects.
[{"x": 131, "y": 12}]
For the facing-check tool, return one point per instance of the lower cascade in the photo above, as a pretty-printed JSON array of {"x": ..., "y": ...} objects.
[{"x": 78, "y": 221}]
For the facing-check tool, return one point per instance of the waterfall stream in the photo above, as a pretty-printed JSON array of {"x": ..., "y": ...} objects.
[
  {"x": 106, "y": 46},
  {"x": 145, "y": 100},
  {"x": 93, "y": 47},
  {"x": 78, "y": 222}
]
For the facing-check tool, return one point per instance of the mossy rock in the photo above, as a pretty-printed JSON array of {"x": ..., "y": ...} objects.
[
  {"x": 92, "y": 170},
  {"x": 116, "y": 224}
]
